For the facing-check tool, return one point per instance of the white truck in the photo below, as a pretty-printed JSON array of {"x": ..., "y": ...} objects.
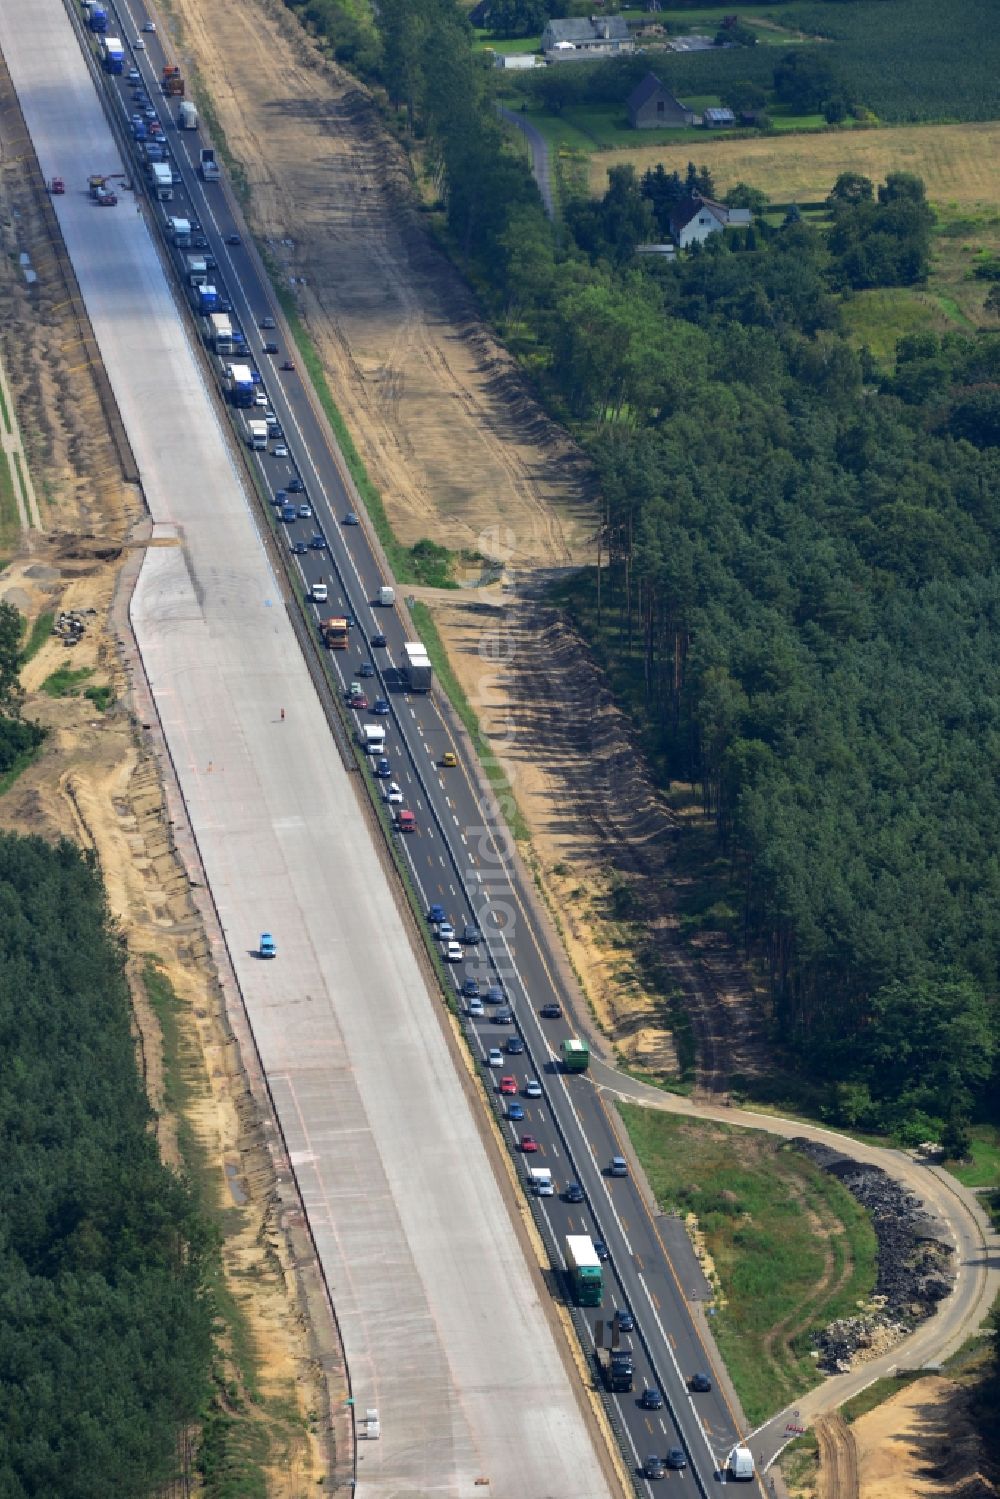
[
  {"x": 256, "y": 435},
  {"x": 371, "y": 737},
  {"x": 741, "y": 1464},
  {"x": 180, "y": 232},
  {"x": 540, "y": 1178},
  {"x": 187, "y": 116},
  {"x": 196, "y": 267},
  {"x": 163, "y": 181},
  {"x": 416, "y": 667},
  {"x": 219, "y": 332}
]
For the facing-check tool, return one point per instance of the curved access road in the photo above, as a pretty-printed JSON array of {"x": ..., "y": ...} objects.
[
  {"x": 541, "y": 167},
  {"x": 976, "y": 1245}
]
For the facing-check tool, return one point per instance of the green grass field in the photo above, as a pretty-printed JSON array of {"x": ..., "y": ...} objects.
[{"x": 791, "y": 1247}]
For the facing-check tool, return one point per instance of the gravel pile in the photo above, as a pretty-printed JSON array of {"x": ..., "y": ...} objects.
[{"x": 913, "y": 1273}]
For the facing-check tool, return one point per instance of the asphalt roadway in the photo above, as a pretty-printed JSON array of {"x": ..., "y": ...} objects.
[
  {"x": 442, "y": 1322},
  {"x": 458, "y": 858}
]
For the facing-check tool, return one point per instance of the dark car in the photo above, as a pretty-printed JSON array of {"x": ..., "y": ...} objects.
[
  {"x": 471, "y": 933},
  {"x": 383, "y": 769},
  {"x": 495, "y": 995},
  {"x": 676, "y": 1459},
  {"x": 233, "y": 239},
  {"x": 200, "y": 242},
  {"x": 435, "y": 914},
  {"x": 700, "y": 1384},
  {"x": 502, "y": 1017},
  {"x": 270, "y": 347},
  {"x": 350, "y": 519},
  {"x": 651, "y": 1400},
  {"x": 317, "y": 541},
  {"x": 286, "y": 364},
  {"x": 574, "y": 1193},
  {"x": 654, "y": 1467},
  {"x": 601, "y": 1250},
  {"x": 380, "y": 706},
  {"x": 625, "y": 1319},
  {"x": 299, "y": 548},
  {"x": 366, "y": 669},
  {"x": 268, "y": 322},
  {"x": 223, "y": 304},
  {"x": 296, "y": 486},
  {"x": 515, "y": 1046},
  {"x": 379, "y": 640},
  {"x": 470, "y": 989},
  {"x": 551, "y": 1012}
]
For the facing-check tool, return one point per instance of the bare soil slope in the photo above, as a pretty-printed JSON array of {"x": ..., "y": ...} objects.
[
  {"x": 445, "y": 425},
  {"x": 921, "y": 1444}
]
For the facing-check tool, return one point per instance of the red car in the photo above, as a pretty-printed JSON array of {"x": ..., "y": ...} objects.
[
  {"x": 529, "y": 1144},
  {"x": 357, "y": 700},
  {"x": 508, "y": 1085}
]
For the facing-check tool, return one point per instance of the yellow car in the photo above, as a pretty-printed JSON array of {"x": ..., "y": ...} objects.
[{"x": 449, "y": 758}]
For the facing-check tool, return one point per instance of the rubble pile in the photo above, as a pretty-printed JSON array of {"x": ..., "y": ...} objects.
[
  {"x": 913, "y": 1274},
  {"x": 69, "y": 626}
]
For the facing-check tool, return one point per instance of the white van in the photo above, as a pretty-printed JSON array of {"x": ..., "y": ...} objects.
[
  {"x": 387, "y": 596},
  {"x": 319, "y": 593},
  {"x": 741, "y": 1464}
]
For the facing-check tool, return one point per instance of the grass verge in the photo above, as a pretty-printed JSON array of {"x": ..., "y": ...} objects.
[
  {"x": 792, "y": 1249},
  {"x": 65, "y": 681},
  {"x": 494, "y": 768},
  {"x": 39, "y": 633},
  {"x": 877, "y": 1394},
  {"x": 10, "y": 516}
]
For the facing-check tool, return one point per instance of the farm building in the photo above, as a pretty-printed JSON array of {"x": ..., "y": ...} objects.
[
  {"x": 694, "y": 218},
  {"x": 652, "y": 106},
  {"x": 586, "y": 37},
  {"x": 716, "y": 119}
]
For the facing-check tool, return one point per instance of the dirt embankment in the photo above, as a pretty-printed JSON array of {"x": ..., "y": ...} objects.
[
  {"x": 446, "y": 426},
  {"x": 95, "y": 783},
  {"x": 921, "y": 1444}
]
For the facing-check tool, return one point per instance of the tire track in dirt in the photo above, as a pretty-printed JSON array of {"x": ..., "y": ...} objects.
[{"x": 838, "y": 1459}]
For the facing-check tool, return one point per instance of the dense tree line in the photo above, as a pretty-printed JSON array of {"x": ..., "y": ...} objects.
[
  {"x": 800, "y": 574},
  {"x": 105, "y": 1332}
]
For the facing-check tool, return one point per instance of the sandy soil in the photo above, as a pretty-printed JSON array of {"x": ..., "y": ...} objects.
[
  {"x": 921, "y": 1444},
  {"x": 445, "y": 425},
  {"x": 95, "y": 784},
  {"x": 597, "y": 825}
]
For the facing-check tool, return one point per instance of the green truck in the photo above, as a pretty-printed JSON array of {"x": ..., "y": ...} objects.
[
  {"x": 575, "y": 1055},
  {"x": 584, "y": 1270}
]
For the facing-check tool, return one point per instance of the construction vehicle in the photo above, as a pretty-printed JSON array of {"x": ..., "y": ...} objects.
[
  {"x": 103, "y": 195},
  {"x": 617, "y": 1368},
  {"x": 208, "y": 167},
  {"x": 335, "y": 633},
  {"x": 575, "y": 1055},
  {"x": 57, "y": 187},
  {"x": 173, "y": 82}
]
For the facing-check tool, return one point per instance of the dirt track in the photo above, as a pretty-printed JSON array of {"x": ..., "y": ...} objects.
[
  {"x": 838, "y": 1472},
  {"x": 446, "y": 426}
]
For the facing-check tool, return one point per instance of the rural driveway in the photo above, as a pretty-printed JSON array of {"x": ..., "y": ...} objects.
[{"x": 541, "y": 168}]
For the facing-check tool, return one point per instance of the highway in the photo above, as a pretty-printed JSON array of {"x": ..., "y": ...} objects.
[
  {"x": 445, "y": 1328},
  {"x": 456, "y": 857}
]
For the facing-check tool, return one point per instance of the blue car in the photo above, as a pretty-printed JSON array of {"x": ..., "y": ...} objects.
[
  {"x": 435, "y": 914},
  {"x": 515, "y": 1111},
  {"x": 268, "y": 947},
  {"x": 380, "y": 706},
  {"x": 366, "y": 669},
  {"x": 383, "y": 769},
  {"x": 470, "y": 989},
  {"x": 318, "y": 542}
]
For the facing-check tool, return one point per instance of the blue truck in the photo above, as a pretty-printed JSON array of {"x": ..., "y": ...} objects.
[{"x": 98, "y": 18}]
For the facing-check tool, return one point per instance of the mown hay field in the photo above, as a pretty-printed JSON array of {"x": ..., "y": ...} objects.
[{"x": 956, "y": 162}]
